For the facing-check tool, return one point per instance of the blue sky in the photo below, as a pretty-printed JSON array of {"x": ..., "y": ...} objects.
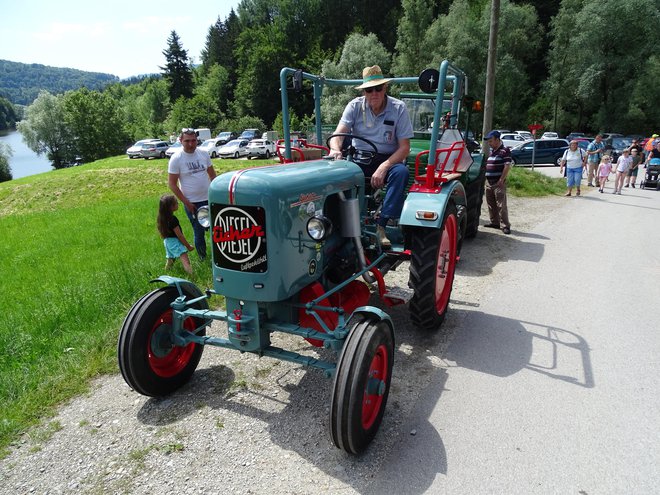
[{"x": 119, "y": 37}]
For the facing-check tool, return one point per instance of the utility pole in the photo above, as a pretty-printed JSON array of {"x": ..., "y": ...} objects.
[{"x": 490, "y": 73}]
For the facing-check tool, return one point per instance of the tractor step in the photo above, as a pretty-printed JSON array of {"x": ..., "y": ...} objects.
[{"x": 398, "y": 295}]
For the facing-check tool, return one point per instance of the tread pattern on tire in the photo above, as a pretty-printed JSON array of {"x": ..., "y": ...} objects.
[{"x": 423, "y": 261}]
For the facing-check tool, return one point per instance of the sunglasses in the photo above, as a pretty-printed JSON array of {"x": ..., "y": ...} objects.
[
  {"x": 377, "y": 89},
  {"x": 188, "y": 131}
]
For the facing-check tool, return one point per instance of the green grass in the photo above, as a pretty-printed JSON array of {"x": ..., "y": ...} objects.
[
  {"x": 79, "y": 247},
  {"x": 522, "y": 182}
]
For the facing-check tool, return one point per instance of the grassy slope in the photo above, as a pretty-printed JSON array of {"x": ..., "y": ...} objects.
[{"x": 80, "y": 247}]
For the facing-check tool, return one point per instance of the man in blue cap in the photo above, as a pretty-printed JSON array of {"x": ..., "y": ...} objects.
[{"x": 497, "y": 168}]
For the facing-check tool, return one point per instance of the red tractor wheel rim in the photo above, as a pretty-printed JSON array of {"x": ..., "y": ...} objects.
[
  {"x": 167, "y": 360},
  {"x": 446, "y": 263},
  {"x": 374, "y": 390}
]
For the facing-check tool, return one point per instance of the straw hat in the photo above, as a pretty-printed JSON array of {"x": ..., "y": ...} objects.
[{"x": 372, "y": 76}]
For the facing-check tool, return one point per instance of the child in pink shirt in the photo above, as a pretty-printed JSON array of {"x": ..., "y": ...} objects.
[{"x": 604, "y": 170}]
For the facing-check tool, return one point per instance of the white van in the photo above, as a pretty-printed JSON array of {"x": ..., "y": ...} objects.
[
  {"x": 203, "y": 134},
  {"x": 270, "y": 136}
]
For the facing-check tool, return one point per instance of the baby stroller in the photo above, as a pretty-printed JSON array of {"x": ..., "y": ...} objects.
[{"x": 652, "y": 176}]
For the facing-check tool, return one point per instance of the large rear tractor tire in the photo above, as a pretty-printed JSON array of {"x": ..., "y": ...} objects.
[
  {"x": 432, "y": 267},
  {"x": 149, "y": 362},
  {"x": 361, "y": 384}
]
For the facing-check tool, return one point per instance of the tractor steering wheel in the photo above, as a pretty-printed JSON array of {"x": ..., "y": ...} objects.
[{"x": 350, "y": 152}]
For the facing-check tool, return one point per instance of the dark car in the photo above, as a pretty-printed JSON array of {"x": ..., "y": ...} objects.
[
  {"x": 225, "y": 137},
  {"x": 547, "y": 151},
  {"x": 574, "y": 135},
  {"x": 616, "y": 147}
]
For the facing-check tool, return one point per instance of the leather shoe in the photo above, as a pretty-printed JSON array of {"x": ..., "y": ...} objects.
[
  {"x": 492, "y": 225},
  {"x": 382, "y": 237},
  {"x": 506, "y": 230}
]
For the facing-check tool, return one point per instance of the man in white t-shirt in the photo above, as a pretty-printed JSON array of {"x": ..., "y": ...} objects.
[{"x": 190, "y": 172}]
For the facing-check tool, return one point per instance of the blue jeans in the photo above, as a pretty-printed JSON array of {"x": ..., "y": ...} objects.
[
  {"x": 198, "y": 231},
  {"x": 573, "y": 177},
  {"x": 396, "y": 181}
]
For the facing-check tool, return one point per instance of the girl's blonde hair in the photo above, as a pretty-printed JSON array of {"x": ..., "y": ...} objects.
[{"x": 165, "y": 207}]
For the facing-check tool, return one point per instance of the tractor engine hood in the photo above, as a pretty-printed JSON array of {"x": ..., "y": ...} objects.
[{"x": 261, "y": 249}]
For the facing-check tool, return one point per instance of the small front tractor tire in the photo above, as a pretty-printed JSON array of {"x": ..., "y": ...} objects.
[
  {"x": 149, "y": 362},
  {"x": 432, "y": 267},
  {"x": 361, "y": 384}
]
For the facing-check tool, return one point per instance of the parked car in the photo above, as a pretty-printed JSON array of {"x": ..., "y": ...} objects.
[
  {"x": 260, "y": 148},
  {"x": 512, "y": 140},
  {"x": 154, "y": 149},
  {"x": 616, "y": 147},
  {"x": 574, "y": 135},
  {"x": 234, "y": 149},
  {"x": 547, "y": 151},
  {"x": 226, "y": 136},
  {"x": 250, "y": 134},
  {"x": 212, "y": 147},
  {"x": 526, "y": 134},
  {"x": 173, "y": 149},
  {"x": 550, "y": 135},
  {"x": 135, "y": 151}
]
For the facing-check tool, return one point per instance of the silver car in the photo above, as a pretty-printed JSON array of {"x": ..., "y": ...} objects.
[
  {"x": 155, "y": 149},
  {"x": 135, "y": 151}
]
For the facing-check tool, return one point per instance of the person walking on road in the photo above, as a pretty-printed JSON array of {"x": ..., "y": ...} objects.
[
  {"x": 622, "y": 165},
  {"x": 575, "y": 160},
  {"x": 631, "y": 176},
  {"x": 604, "y": 171},
  {"x": 190, "y": 172},
  {"x": 594, "y": 152},
  {"x": 497, "y": 168}
]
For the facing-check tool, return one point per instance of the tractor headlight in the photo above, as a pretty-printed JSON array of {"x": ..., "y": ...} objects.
[
  {"x": 319, "y": 228},
  {"x": 204, "y": 216}
]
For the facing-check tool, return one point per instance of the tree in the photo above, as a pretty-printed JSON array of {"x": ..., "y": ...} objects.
[
  {"x": 359, "y": 51},
  {"x": 44, "y": 129},
  {"x": 411, "y": 42},
  {"x": 94, "y": 121},
  {"x": 5, "y": 168},
  {"x": 177, "y": 71},
  {"x": 594, "y": 72},
  {"x": 8, "y": 116},
  {"x": 461, "y": 36}
]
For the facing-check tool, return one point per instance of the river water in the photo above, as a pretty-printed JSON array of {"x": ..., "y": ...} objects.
[{"x": 24, "y": 161}]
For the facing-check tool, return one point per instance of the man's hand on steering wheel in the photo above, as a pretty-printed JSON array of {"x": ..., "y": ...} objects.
[{"x": 349, "y": 152}]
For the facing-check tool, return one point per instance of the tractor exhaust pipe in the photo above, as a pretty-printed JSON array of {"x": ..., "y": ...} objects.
[{"x": 350, "y": 228}]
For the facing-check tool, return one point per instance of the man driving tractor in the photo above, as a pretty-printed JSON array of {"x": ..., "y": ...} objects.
[{"x": 384, "y": 121}]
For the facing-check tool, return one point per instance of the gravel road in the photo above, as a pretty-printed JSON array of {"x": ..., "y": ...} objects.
[{"x": 244, "y": 424}]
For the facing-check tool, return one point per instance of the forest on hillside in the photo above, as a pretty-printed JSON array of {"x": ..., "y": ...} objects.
[
  {"x": 20, "y": 83},
  {"x": 571, "y": 65}
]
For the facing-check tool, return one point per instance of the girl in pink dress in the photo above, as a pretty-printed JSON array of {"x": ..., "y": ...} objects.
[{"x": 604, "y": 170}]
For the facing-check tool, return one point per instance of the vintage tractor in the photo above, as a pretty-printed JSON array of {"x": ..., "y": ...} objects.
[{"x": 295, "y": 251}]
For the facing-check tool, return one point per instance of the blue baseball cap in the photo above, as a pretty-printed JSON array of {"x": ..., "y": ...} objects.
[{"x": 493, "y": 134}]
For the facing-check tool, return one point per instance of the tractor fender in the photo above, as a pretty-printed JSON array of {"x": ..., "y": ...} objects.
[
  {"x": 431, "y": 201},
  {"x": 180, "y": 284},
  {"x": 373, "y": 312}
]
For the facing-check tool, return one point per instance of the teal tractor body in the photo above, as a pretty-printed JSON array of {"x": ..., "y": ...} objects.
[{"x": 294, "y": 251}]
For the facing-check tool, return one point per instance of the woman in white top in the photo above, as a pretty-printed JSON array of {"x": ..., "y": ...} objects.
[
  {"x": 575, "y": 160},
  {"x": 622, "y": 165}
]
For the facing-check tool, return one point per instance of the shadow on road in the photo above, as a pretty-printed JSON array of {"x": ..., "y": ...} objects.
[{"x": 503, "y": 346}]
